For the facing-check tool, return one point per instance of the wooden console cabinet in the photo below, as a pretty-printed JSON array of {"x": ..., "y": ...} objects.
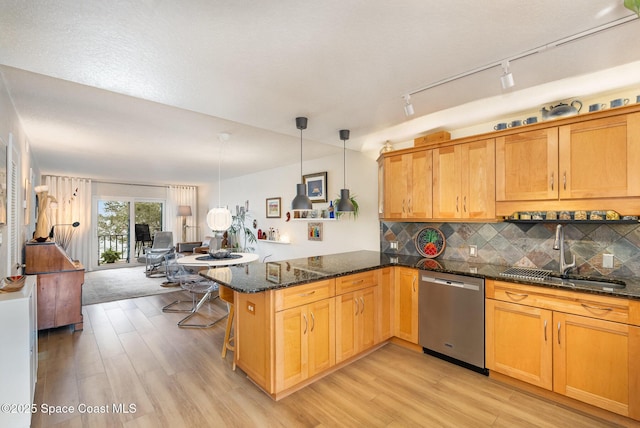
[{"x": 60, "y": 282}]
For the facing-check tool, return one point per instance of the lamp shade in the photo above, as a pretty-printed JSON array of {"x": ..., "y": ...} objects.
[
  {"x": 184, "y": 211},
  {"x": 219, "y": 219},
  {"x": 345, "y": 204},
  {"x": 301, "y": 201}
]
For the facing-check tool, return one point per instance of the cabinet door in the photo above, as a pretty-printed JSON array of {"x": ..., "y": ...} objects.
[
  {"x": 447, "y": 184},
  {"x": 347, "y": 308},
  {"x": 519, "y": 342},
  {"x": 478, "y": 187},
  {"x": 366, "y": 319},
  {"x": 527, "y": 166},
  {"x": 385, "y": 305},
  {"x": 600, "y": 158},
  {"x": 592, "y": 360},
  {"x": 420, "y": 188},
  {"x": 321, "y": 336},
  {"x": 406, "y": 304},
  {"x": 292, "y": 326},
  {"x": 395, "y": 187}
]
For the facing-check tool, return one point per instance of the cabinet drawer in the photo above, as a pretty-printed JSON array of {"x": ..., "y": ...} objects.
[
  {"x": 291, "y": 297},
  {"x": 357, "y": 281},
  {"x": 571, "y": 302}
]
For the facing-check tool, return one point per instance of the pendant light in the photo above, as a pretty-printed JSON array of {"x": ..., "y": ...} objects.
[
  {"x": 219, "y": 218},
  {"x": 301, "y": 201},
  {"x": 345, "y": 204}
]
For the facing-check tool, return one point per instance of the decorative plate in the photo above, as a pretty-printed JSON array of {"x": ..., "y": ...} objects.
[{"x": 430, "y": 242}]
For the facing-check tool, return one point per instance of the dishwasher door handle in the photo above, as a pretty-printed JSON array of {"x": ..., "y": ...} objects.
[{"x": 450, "y": 283}]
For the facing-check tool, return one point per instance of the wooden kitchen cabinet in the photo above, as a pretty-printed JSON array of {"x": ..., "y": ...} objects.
[
  {"x": 591, "y": 159},
  {"x": 600, "y": 158},
  {"x": 407, "y": 185},
  {"x": 527, "y": 166},
  {"x": 464, "y": 181},
  {"x": 576, "y": 344},
  {"x": 355, "y": 322},
  {"x": 305, "y": 337},
  {"x": 406, "y": 304},
  {"x": 519, "y": 342}
]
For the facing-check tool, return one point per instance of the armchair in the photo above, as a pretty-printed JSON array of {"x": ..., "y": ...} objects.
[{"x": 154, "y": 257}]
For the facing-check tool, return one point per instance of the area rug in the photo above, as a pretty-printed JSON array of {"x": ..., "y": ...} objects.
[{"x": 122, "y": 283}]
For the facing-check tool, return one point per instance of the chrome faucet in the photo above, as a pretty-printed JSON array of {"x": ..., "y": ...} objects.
[{"x": 558, "y": 244}]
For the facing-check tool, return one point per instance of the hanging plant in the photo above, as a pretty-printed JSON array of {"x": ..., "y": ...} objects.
[
  {"x": 633, "y": 5},
  {"x": 356, "y": 208}
]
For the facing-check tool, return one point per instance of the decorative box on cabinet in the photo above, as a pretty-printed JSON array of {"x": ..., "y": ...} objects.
[
  {"x": 60, "y": 282},
  {"x": 19, "y": 356}
]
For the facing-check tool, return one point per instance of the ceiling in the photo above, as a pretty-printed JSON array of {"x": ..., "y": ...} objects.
[{"x": 138, "y": 91}]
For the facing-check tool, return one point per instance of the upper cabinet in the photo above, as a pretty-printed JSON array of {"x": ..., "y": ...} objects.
[
  {"x": 583, "y": 160},
  {"x": 407, "y": 186},
  {"x": 464, "y": 181},
  {"x": 600, "y": 158}
]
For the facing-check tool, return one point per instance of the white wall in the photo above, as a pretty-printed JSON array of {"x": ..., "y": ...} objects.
[
  {"x": 339, "y": 236},
  {"x": 11, "y": 130}
]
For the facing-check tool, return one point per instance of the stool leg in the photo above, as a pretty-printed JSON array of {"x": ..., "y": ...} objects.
[{"x": 227, "y": 334}]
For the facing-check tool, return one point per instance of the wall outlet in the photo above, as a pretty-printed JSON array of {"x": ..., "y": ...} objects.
[
  {"x": 473, "y": 251},
  {"x": 607, "y": 261},
  {"x": 393, "y": 245}
]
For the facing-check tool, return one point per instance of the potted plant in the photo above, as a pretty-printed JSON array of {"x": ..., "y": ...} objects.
[
  {"x": 356, "y": 208},
  {"x": 239, "y": 231},
  {"x": 110, "y": 256}
]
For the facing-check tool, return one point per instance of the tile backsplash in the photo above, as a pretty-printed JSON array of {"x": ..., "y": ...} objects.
[{"x": 527, "y": 244}]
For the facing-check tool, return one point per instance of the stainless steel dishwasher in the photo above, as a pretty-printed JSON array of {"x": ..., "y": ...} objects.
[{"x": 451, "y": 318}]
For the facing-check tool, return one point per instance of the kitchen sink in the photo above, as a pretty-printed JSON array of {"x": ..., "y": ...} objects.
[{"x": 588, "y": 283}]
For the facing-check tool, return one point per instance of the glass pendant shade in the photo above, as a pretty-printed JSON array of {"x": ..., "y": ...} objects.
[
  {"x": 345, "y": 203},
  {"x": 301, "y": 201},
  {"x": 219, "y": 219}
]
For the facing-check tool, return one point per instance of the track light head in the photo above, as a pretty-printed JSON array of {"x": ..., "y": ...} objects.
[
  {"x": 506, "y": 80},
  {"x": 408, "y": 107}
]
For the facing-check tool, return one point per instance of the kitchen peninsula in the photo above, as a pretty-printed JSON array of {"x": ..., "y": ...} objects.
[{"x": 301, "y": 319}]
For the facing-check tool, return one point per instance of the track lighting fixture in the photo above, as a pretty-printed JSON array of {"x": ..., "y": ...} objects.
[
  {"x": 301, "y": 201},
  {"x": 506, "y": 80},
  {"x": 408, "y": 107},
  {"x": 345, "y": 203}
]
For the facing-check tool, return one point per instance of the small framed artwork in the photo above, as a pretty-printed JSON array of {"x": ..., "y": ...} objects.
[
  {"x": 274, "y": 270},
  {"x": 316, "y": 186},
  {"x": 314, "y": 231},
  {"x": 274, "y": 207}
]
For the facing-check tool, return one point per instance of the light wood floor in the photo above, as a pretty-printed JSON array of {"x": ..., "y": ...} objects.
[{"x": 132, "y": 353}]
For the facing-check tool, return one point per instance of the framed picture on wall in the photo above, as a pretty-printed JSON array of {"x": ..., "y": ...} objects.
[
  {"x": 314, "y": 232},
  {"x": 316, "y": 186},
  {"x": 274, "y": 207}
]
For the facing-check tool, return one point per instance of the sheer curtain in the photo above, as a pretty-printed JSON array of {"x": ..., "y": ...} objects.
[
  {"x": 183, "y": 195},
  {"x": 74, "y": 205}
]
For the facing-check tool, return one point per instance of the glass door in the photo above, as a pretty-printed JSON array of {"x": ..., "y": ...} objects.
[{"x": 114, "y": 225}]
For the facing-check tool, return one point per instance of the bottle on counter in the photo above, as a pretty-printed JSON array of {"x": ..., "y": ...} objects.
[{"x": 331, "y": 211}]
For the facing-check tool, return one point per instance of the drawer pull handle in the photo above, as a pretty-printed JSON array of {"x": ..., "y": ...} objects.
[
  {"x": 311, "y": 293},
  {"x": 357, "y": 282},
  {"x": 596, "y": 308},
  {"x": 313, "y": 322},
  {"x": 545, "y": 330},
  {"x": 513, "y": 295},
  {"x": 552, "y": 181},
  {"x": 356, "y": 302},
  {"x": 362, "y": 301}
]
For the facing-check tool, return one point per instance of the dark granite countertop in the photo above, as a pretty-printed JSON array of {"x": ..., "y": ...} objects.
[{"x": 256, "y": 277}]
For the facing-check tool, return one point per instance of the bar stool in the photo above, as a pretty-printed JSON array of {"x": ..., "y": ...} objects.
[{"x": 226, "y": 295}]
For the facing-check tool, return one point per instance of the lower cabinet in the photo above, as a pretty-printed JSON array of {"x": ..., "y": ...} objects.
[
  {"x": 575, "y": 344},
  {"x": 406, "y": 304},
  {"x": 305, "y": 337},
  {"x": 19, "y": 356},
  {"x": 355, "y": 322}
]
